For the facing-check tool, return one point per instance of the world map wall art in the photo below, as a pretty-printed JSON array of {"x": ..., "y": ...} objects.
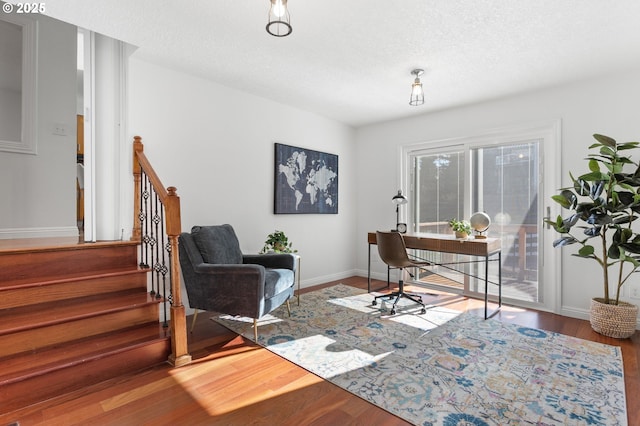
[{"x": 306, "y": 181}]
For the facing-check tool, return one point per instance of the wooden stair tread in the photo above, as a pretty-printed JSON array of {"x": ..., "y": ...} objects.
[
  {"x": 45, "y": 314},
  {"x": 84, "y": 350},
  {"x": 31, "y": 245},
  {"x": 26, "y": 365},
  {"x": 29, "y": 282},
  {"x": 48, "y": 263}
]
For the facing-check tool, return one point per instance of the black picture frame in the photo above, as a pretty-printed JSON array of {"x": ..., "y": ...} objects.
[{"x": 305, "y": 181}]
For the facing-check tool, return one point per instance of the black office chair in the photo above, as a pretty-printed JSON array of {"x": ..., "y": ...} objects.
[{"x": 393, "y": 252}]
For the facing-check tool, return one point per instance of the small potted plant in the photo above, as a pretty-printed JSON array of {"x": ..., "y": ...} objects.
[
  {"x": 462, "y": 228},
  {"x": 605, "y": 204},
  {"x": 277, "y": 242}
]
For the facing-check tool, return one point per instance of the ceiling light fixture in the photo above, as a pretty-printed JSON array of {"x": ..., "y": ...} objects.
[
  {"x": 417, "y": 95},
  {"x": 279, "y": 21}
]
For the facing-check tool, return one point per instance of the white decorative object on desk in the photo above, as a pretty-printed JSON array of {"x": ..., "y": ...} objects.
[{"x": 480, "y": 223}]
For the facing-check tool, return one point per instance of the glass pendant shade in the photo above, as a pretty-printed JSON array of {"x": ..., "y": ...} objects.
[
  {"x": 279, "y": 20},
  {"x": 417, "y": 94}
]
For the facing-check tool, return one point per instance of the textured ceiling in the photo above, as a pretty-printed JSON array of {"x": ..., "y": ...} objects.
[{"x": 350, "y": 60}]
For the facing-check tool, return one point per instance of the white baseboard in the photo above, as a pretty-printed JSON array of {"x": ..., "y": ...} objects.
[
  {"x": 304, "y": 283},
  {"x": 573, "y": 312},
  {"x": 17, "y": 233},
  {"x": 377, "y": 275}
]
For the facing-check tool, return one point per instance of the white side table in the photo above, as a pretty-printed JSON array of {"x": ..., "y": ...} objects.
[{"x": 296, "y": 277}]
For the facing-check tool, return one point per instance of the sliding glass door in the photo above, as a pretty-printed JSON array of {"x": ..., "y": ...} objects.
[{"x": 502, "y": 176}]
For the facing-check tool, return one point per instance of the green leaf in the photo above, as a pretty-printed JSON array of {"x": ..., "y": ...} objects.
[
  {"x": 633, "y": 261},
  {"x": 594, "y": 166},
  {"x": 613, "y": 252},
  {"x": 607, "y": 152},
  {"x": 628, "y": 145},
  {"x": 594, "y": 176},
  {"x": 626, "y": 185},
  {"x": 562, "y": 201},
  {"x": 605, "y": 140},
  {"x": 617, "y": 168},
  {"x": 559, "y": 221},
  {"x": 631, "y": 247},
  {"x": 586, "y": 251}
]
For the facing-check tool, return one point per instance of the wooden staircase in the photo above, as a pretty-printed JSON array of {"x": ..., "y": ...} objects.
[{"x": 72, "y": 315}]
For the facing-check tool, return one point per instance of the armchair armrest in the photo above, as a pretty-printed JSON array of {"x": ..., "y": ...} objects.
[
  {"x": 229, "y": 288},
  {"x": 271, "y": 260},
  {"x": 220, "y": 270},
  {"x": 244, "y": 278}
]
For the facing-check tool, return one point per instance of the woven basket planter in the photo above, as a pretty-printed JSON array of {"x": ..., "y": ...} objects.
[{"x": 617, "y": 321}]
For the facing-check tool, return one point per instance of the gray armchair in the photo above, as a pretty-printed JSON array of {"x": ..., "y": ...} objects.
[{"x": 219, "y": 278}]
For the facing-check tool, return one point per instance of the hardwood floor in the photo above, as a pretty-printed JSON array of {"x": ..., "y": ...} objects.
[{"x": 234, "y": 382}]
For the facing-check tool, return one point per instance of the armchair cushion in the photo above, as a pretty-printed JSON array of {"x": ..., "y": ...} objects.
[
  {"x": 277, "y": 281},
  {"x": 217, "y": 244}
]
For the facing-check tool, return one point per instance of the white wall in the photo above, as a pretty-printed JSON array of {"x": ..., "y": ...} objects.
[
  {"x": 606, "y": 105},
  {"x": 39, "y": 191},
  {"x": 216, "y": 144}
]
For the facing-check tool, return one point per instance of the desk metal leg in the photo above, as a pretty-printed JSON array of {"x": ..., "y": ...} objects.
[
  {"x": 486, "y": 285},
  {"x": 500, "y": 279}
]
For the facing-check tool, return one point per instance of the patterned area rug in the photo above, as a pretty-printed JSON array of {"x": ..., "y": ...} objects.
[{"x": 444, "y": 367}]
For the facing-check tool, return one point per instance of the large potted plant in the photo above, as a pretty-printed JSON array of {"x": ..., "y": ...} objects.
[{"x": 604, "y": 205}]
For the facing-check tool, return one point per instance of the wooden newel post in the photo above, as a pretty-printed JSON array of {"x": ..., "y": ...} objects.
[
  {"x": 138, "y": 147},
  {"x": 179, "y": 353}
]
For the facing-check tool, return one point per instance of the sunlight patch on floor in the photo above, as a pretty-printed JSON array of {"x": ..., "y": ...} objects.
[
  {"x": 408, "y": 312},
  {"x": 323, "y": 350}
]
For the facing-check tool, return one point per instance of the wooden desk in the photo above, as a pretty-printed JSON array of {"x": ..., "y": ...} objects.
[{"x": 482, "y": 248}]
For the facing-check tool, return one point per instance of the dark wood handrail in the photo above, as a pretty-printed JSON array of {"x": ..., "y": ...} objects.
[{"x": 171, "y": 202}]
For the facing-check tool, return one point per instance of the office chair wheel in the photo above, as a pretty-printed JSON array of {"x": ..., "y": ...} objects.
[
  {"x": 374, "y": 303},
  {"x": 423, "y": 311},
  {"x": 393, "y": 312}
]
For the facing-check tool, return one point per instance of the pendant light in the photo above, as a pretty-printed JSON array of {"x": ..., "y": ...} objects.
[
  {"x": 417, "y": 95},
  {"x": 279, "y": 21}
]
